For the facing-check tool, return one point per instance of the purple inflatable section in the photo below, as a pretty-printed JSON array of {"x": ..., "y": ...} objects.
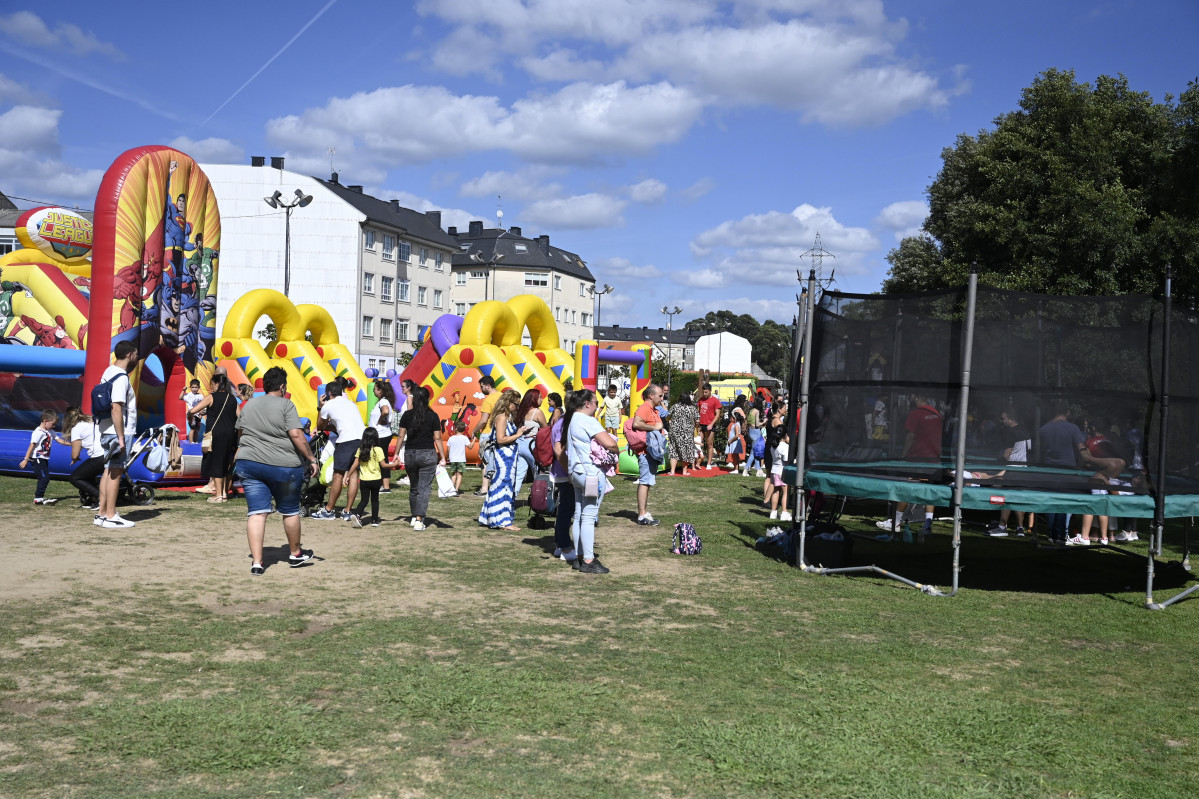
[
  {"x": 620, "y": 356},
  {"x": 445, "y": 333}
]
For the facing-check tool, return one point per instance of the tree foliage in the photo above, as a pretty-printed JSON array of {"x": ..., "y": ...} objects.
[
  {"x": 769, "y": 341},
  {"x": 1085, "y": 189}
]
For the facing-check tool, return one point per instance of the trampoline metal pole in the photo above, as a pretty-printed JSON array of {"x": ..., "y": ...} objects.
[
  {"x": 801, "y": 439},
  {"x": 1163, "y": 429},
  {"x": 963, "y": 416}
]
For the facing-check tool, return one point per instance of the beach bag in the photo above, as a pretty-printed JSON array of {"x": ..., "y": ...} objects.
[
  {"x": 685, "y": 540},
  {"x": 634, "y": 438},
  {"x": 543, "y": 447},
  {"x": 541, "y": 495},
  {"x": 102, "y": 397}
]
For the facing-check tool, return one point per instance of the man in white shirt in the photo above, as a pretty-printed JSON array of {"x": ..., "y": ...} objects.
[
  {"x": 340, "y": 414},
  {"x": 115, "y": 432}
]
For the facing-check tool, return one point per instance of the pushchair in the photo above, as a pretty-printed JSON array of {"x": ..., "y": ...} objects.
[
  {"x": 312, "y": 495},
  {"x": 138, "y": 478}
]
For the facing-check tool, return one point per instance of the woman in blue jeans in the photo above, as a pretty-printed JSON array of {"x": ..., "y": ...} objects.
[
  {"x": 273, "y": 459},
  {"x": 579, "y": 429}
]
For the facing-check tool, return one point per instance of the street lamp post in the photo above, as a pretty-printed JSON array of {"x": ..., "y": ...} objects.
[
  {"x": 599, "y": 298},
  {"x": 276, "y": 201},
  {"x": 669, "y": 343}
]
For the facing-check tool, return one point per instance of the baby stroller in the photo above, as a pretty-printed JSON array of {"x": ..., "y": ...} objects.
[
  {"x": 312, "y": 495},
  {"x": 139, "y": 476}
]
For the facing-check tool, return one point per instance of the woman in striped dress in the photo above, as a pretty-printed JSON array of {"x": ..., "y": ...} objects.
[{"x": 500, "y": 504}]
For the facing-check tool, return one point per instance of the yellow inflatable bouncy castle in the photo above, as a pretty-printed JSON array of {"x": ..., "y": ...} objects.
[{"x": 308, "y": 364}]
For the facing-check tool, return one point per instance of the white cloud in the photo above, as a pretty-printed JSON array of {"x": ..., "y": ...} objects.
[
  {"x": 211, "y": 150},
  {"x": 13, "y": 92},
  {"x": 700, "y": 278},
  {"x": 647, "y": 191},
  {"x": 767, "y": 249},
  {"x": 581, "y": 123},
  {"x": 30, "y": 129},
  {"x": 698, "y": 189},
  {"x": 581, "y": 212},
  {"x": 523, "y": 184},
  {"x": 903, "y": 218},
  {"x": 620, "y": 269},
  {"x": 28, "y": 28},
  {"x": 836, "y": 63}
]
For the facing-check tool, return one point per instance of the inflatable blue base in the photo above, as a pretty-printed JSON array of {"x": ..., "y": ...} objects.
[{"x": 14, "y": 443}]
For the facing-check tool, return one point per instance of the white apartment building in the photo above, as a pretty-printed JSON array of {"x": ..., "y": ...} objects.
[
  {"x": 381, "y": 270},
  {"x": 498, "y": 264}
]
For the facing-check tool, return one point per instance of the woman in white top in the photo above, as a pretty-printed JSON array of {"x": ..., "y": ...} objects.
[
  {"x": 381, "y": 421},
  {"x": 86, "y": 476},
  {"x": 579, "y": 429}
]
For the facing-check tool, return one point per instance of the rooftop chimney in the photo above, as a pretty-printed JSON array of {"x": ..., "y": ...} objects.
[
  {"x": 355, "y": 188},
  {"x": 276, "y": 162},
  {"x": 333, "y": 179},
  {"x": 543, "y": 243},
  {"x": 476, "y": 227},
  {"x": 453, "y": 231},
  {"x": 434, "y": 217},
  {"x": 395, "y": 206},
  {"x": 515, "y": 231},
  {"x": 257, "y": 160}
]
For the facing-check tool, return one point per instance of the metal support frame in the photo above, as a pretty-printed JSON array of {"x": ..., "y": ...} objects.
[{"x": 960, "y": 460}]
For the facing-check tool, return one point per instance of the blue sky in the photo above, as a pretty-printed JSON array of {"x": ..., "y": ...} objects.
[{"x": 688, "y": 151}]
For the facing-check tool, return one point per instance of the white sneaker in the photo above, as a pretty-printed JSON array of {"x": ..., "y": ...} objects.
[
  {"x": 1123, "y": 536},
  {"x": 886, "y": 524},
  {"x": 759, "y": 473},
  {"x": 418, "y": 525},
  {"x": 1132, "y": 536},
  {"x": 99, "y": 520},
  {"x": 1078, "y": 541},
  {"x": 115, "y": 521},
  {"x": 774, "y": 514},
  {"x": 785, "y": 516}
]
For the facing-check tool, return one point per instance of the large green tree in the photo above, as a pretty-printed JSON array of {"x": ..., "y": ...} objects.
[{"x": 1085, "y": 189}]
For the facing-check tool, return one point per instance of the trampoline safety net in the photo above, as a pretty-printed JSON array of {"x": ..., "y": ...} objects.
[{"x": 886, "y": 374}]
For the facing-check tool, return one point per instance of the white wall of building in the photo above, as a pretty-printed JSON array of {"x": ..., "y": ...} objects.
[
  {"x": 723, "y": 352},
  {"x": 325, "y": 248}
]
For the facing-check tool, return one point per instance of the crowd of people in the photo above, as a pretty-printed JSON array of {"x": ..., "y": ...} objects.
[{"x": 262, "y": 444}]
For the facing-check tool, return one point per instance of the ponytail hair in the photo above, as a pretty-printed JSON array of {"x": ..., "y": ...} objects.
[{"x": 574, "y": 401}]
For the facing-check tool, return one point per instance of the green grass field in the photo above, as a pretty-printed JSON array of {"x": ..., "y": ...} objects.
[{"x": 460, "y": 662}]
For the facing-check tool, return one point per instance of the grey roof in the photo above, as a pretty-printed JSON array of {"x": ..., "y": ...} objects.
[
  {"x": 415, "y": 224},
  {"x": 658, "y": 335},
  {"x": 6, "y": 204},
  {"x": 515, "y": 251},
  {"x": 10, "y": 213}
]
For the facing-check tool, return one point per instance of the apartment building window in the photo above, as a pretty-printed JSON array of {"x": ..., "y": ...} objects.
[
  {"x": 405, "y": 251},
  {"x": 369, "y": 239},
  {"x": 557, "y": 313},
  {"x": 368, "y": 327},
  {"x": 424, "y": 257},
  {"x": 422, "y": 295},
  {"x": 583, "y": 318},
  {"x": 478, "y": 273},
  {"x": 574, "y": 317},
  {"x": 460, "y": 308},
  {"x": 402, "y": 329},
  {"x": 385, "y": 331},
  {"x": 582, "y": 290},
  {"x": 437, "y": 298},
  {"x": 557, "y": 282},
  {"x": 459, "y": 278},
  {"x": 521, "y": 248},
  {"x": 385, "y": 286},
  {"x": 371, "y": 363},
  {"x": 439, "y": 262},
  {"x": 389, "y": 247},
  {"x": 536, "y": 279},
  {"x": 8, "y": 244},
  {"x": 368, "y": 283},
  {"x": 404, "y": 291}
]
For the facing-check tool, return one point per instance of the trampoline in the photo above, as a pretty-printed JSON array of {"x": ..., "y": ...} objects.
[{"x": 902, "y": 398}]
